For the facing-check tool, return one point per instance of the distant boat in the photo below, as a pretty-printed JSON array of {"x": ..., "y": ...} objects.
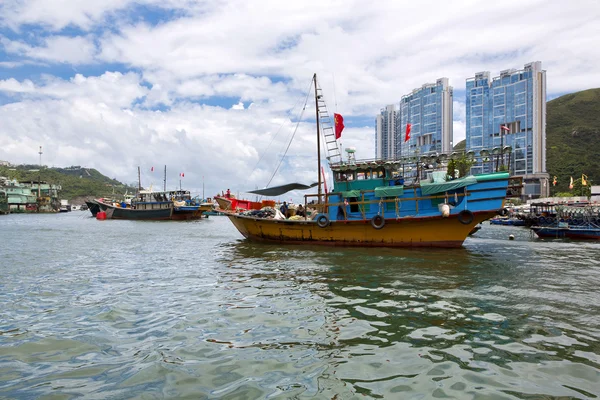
[
  {"x": 370, "y": 206},
  {"x": 230, "y": 202},
  {"x": 475, "y": 229},
  {"x": 507, "y": 221},
  {"x": 64, "y": 206},
  {"x": 587, "y": 231},
  {"x": 93, "y": 206},
  {"x": 154, "y": 206},
  {"x": 572, "y": 222}
]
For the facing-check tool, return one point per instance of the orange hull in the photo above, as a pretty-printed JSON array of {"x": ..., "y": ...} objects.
[{"x": 402, "y": 232}]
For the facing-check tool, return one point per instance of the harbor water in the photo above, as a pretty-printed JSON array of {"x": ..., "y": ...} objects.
[{"x": 148, "y": 310}]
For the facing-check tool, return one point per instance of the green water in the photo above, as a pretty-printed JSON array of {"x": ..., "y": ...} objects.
[{"x": 124, "y": 309}]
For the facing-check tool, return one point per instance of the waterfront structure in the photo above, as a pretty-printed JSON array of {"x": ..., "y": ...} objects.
[
  {"x": 507, "y": 113},
  {"x": 386, "y": 135},
  {"x": 22, "y": 197},
  {"x": 428, "y": 110},
  {"x": 3, "y": 202}
]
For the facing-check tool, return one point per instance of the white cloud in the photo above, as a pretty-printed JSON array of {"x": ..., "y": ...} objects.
[
  {"x": 60, "y": 49},
  {"x": 211, "y": 87}
]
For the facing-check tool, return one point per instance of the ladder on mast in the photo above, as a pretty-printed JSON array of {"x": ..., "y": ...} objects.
[{"x": 328, "y": 130}]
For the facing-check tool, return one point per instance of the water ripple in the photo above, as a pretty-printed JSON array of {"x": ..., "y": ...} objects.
[{"x": 121, "y": 309}]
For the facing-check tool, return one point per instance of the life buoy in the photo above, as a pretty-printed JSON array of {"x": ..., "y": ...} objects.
[
  {"x": 465, "y": 217},
  {"x": 503, "y": 212},
  {"x": 377, "y": 221},
  {"x": 322, "y": 221}
]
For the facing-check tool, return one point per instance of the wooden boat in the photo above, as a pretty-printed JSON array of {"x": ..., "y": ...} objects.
[
  {"x": 370, "y": 206},
  {"x": 572, "y": 222},
  {"x": 587, "y": 231},
  {"x": 230, "y": 202},
  {"x": 474, "y": 230},
  {"x": 510, "y": 221},
  {"x": 154, "y": 206}
]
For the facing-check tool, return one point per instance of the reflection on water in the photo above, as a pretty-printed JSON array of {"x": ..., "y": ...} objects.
[{"x": 119, "y": 309}]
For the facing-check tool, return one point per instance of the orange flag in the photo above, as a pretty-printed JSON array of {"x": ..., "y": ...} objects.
[{"x": 571, "y": 184}]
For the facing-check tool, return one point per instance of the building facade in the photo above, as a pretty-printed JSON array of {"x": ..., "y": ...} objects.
[
  {"x": 386, "y": 143},
  {"x": 428, "y": 110},
  {"x": 507, "y": 114}
]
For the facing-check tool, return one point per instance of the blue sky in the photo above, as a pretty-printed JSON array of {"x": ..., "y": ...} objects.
[{"x": 212, "y": 87}]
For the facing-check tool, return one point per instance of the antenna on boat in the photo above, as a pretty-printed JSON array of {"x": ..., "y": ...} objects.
[
  {"x": 318, "y": 137},
  {"x": 165, "y": 180},
  {"x": 139, "y": 180}
]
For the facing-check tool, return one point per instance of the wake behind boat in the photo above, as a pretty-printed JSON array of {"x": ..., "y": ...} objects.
[{"x": 371, "y": 205}]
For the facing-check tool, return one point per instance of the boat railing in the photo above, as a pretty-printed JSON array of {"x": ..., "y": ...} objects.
[
  {"x": 429, "y": 158},
  {"x": 323, "y": 207}
]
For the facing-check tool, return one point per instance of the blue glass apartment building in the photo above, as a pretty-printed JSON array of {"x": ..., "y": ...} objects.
[
  {"x": 516, "y": 100},
  {"x": 429, "y": 111}
]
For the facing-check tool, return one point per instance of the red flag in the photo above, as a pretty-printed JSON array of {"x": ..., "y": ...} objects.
[
  {"x": 505, "y": 128},
  {"x": 152, "y": 169},
  {"x": 181, "y": 175},
  {"x": 339, "y": 125},
  {"x": 407, "y": 137}
]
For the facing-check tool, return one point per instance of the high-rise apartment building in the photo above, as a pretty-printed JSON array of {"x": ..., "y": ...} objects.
[
  {"x": 428, "y": 110},
  {"x": 385, "y": 135},
  {"x": 510, "y": 110}
]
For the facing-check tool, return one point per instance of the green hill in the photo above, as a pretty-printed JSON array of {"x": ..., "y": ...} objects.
[
  {"x": 460, "y": 146},
  {"x": 75, "y": 181},
  {"x": 573, "y": 137}
]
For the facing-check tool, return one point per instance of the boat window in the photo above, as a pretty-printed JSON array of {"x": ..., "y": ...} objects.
[
  {"x": 362, "y": 175},
  {"x": 353, "y": 207},
  {"x": 340, "y": 176},
  {"x": 350, "y": 176}
]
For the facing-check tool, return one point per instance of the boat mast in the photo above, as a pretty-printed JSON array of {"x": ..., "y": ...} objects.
[
  {"x": 139, "y": 180},
  {"x": 318, "y": 138},
  {"x": 165, "y": 181}
]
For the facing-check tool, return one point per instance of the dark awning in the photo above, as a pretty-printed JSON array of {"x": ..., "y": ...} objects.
[{"x": 279, "y": 190}]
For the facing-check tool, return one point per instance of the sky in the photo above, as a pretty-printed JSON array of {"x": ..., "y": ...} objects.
[{"x": 217, "y": 90}]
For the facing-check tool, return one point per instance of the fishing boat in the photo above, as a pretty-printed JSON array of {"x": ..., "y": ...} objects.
[
  {"x": 371, "y": 204},
  {"x": 560, "y": 230},
  {"x": 571, "y": 222},
  {"x": 153, "y": 205},
  {"x": 228, "y": 201},
  {"x": 93, "y": 206},
  {"x": 509, "y": 221}
]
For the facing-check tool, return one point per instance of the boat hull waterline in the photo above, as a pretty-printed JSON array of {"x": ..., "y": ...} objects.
[
  {"x": 436, "y": 231},
  {"x": 159, "y": 214}
]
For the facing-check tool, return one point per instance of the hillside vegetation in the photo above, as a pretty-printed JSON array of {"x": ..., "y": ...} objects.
[
  {"x": 75, "y": 181},
  {"x": 573, "y": 138}
]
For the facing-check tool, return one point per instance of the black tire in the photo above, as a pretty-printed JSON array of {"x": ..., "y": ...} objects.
[
  {"x": 322, "y": 221},
  {"x": 378, "y": 222},
  {"x": 465, "y": 217}
]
